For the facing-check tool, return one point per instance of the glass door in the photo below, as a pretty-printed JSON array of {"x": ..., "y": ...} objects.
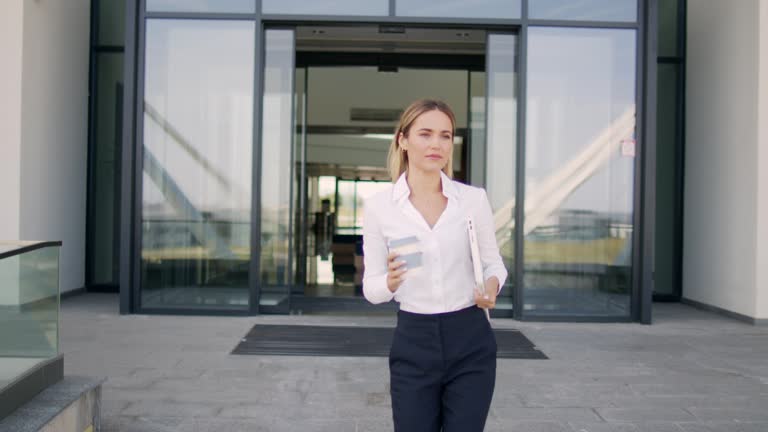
[
  {"x": 276, "y": 263},
  {"x": 500, "y": 152},
  {"x": 327, "y": 123}
]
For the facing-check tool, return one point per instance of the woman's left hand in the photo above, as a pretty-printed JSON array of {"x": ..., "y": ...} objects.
[{"x": 485, "y": 297}]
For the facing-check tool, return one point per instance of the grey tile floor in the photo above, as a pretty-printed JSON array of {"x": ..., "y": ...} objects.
[{"x": 691, "y": 371}]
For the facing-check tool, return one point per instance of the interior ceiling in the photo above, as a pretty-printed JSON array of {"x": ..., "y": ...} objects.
[
  {"x": 365, "y": 159},
  {"x": 390, "y": 39}
]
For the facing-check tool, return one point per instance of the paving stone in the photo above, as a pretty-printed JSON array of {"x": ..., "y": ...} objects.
[
  {"x": 724, "y": 427},
  {"x": 645, "y": 414},
  {"x": 604, "y": 427},
  {"x": 170, "y": 408},
  {"x": 112, "y": 407},
  {"x": 659, "y": 427},
  {"x": 544, "y": 414},
  {"x": 691, "y": 371},
  {"x": 382, "y": 424},
  {"x": 731, "y": 414},
  {"x": 141, "y": 424},
  {"x": 526, "y": 426}
]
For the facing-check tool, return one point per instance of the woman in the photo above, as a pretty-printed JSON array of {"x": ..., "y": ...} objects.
[{"x": 443, "y": 358}]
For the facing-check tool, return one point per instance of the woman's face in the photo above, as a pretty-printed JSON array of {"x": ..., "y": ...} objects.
[{"x": 429, "y": 141}]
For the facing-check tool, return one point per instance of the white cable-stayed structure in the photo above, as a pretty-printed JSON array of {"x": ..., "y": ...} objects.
[{"x": 547, "y": 196}]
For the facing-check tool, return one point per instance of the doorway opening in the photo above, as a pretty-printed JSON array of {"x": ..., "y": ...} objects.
[{"x": 351, "y": 84}]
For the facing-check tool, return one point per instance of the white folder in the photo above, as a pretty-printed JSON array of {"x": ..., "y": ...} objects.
[{"x": 477, "y": 264}]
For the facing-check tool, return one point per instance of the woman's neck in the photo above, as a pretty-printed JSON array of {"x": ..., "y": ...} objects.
[{"x": 423, "y": 183}]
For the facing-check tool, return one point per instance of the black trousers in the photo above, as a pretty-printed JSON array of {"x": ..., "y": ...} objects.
[{"x": 442, "y": 371}]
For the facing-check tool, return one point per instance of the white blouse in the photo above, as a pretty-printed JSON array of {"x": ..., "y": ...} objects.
[{"x": 445, "y": 281}]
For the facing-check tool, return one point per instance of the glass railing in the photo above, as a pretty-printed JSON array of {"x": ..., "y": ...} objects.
[{"x": 29, "y": 307}]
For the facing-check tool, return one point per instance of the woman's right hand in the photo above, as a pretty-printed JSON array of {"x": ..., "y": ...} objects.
[{"x": 395, "y": 272}]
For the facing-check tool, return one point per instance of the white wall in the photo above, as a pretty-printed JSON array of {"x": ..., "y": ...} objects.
[
  {"x": 54, "y": 119},
  {"x": 11, "y": 13},
  {"x": 721, "y": 176},
  {"x": 762, "y": 162}
]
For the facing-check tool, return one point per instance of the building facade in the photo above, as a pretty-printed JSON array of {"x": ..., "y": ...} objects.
[
  {"x": 231, "y": 146},
  {"x": 255, "y": 132}
]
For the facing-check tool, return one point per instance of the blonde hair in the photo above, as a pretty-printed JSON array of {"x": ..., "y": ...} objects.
[{"x": 397, "y": 159}]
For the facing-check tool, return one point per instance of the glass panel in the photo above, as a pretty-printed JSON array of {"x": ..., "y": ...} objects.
[
  {"x": 667, "y": 136},
  {"x": 459, "y": 8},
  {"x": 345, "y": 207},
  {"x": 668, "y": 27},
  {"x": 276, "y": 173},
  {"x": 327, "y": 7},
  {"x": 501, "y": 150},
  {"x": 105, "y": 159},
  {"x": 111, "y": 22},
  {"x": 322, "y": 225},
  {"x": 477, "y": 128},
  {"x": 29, "y": 310},
  {"x": 336, "y": 230},
  {"x": 580, "y": 140},
  {"x": 583, "y": 10},
  {"x": 232, "y": 6},
  {"x": 198, "y": 126}
]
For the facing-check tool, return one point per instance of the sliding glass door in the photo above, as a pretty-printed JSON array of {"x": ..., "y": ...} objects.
[
  {"x": 276, "y": 263},
  {"x": 196, "y": 167},
  {"x": 548, "y": 131},
  {"x": 500, "y": 150}
]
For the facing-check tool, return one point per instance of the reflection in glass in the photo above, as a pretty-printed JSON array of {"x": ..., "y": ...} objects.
[
  {"x": 667, "y": 136},
  {"x": 336, "y": 227},
  {"x": 584, "y": 10},
  {"x": 105, "y": 159},
  {"x": 325, "y": 7},
  {"x": 580, "y": 148},
  {"x": 230, "y": 6},
  {"x": 196, "y": 205},
  {"x": 276, "y": 173},
  {"x": 501, "y": 149},
  {"x": 459, "y": 8},
  {"x": 346, "y": 206}
]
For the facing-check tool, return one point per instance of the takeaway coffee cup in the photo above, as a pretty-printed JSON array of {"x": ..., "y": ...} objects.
[{"x": 408, "y": 250}]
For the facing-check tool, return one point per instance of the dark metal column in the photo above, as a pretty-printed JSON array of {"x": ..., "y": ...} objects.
[{"x": 128, "y": 161}]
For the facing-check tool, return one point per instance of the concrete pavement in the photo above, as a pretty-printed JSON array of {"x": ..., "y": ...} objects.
[{"x": 692, "y": 371}]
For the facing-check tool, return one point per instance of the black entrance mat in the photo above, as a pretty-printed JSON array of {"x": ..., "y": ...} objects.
[{"x": 302, "y": 340}]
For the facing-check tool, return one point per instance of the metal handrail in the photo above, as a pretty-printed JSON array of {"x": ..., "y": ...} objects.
[{"x": 25, "y": 246}]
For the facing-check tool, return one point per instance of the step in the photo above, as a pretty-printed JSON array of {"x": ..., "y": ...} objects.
[{"x": 71, "y": 405}]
